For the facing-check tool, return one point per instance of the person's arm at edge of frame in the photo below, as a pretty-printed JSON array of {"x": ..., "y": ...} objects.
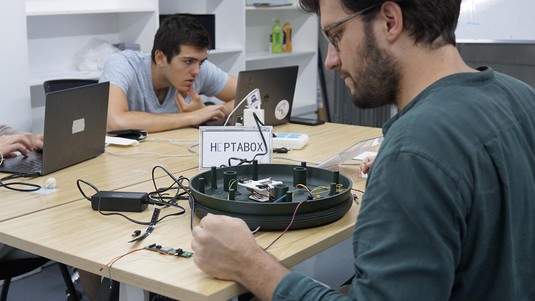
[
  {"x": 119, "y": 116},
  {"x": 13, "y": 140},
  {"x": 226, "y": 249},
  {"x": 36, "y": 140}
]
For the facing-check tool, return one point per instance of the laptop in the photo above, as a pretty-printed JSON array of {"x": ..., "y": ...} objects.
[
  {"x": 74, "y": 131},
  {"x": 276, "y": 87}
]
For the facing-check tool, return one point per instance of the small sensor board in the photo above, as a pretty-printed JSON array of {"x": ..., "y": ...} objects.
[
  {"x": 169, "y": 251},
  {"x": 260, "y": 190}
]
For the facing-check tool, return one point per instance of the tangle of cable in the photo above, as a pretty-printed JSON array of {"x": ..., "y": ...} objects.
[
  {"x": 120, "y": 214},
  {"x": 178, "y": 182}
]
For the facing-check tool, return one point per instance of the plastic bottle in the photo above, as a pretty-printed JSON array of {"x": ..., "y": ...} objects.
[
  {"x": 276, "y": 36},
  {"x": 287, "y": 29}
]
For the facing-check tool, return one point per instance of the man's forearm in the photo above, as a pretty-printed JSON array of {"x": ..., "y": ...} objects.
[
  {"x": 150, "y": 122},
  {"x": 262, "y": 275}
]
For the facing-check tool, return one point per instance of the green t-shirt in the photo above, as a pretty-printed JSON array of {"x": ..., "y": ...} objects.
[{"x": 449, "y": 207}]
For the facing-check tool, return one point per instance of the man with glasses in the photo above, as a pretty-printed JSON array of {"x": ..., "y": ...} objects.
[
  {"x": 160, "y": 91},
  {"x": 448, "y": 212}
]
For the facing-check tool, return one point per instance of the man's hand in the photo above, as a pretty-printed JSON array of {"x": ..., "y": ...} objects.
[
  {"x": 198, "y": 112},
  {"x": 226, "y": 249},
  {"x": 366, "y": 164},
  {"x": 9, "y": 144},
  {"x": 194, "y": 105},
  {"x": 36, "y": 140},
  {"x": 221, "y": 245}
]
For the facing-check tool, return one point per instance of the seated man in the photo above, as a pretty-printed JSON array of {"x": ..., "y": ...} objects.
[
  {"x": 448, "y": 208},
  {"x": 160, "y": 91}
]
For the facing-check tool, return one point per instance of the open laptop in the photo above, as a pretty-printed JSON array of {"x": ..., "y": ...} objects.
[
  {"x": 74, "y": 131},
  {"x": 277, "y": 88}
]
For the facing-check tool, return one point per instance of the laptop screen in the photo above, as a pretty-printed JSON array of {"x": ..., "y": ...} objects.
[
  {"x": 276, "y": 87},
  {"x": 74, "y": 130}
]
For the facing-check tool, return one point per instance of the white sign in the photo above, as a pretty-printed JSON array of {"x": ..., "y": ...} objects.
[{"x": 218, "y": 144}]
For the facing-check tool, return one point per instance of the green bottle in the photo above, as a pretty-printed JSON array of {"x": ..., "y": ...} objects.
[{"x": 276, "y": 36}]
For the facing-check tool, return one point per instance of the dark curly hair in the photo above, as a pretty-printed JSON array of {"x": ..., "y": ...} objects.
[
  {"x": 178, "y": 30},
  {"x": 430, "y": 22}
]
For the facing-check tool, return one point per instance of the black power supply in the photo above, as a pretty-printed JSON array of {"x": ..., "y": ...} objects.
[{"x": 119, "y": 201}]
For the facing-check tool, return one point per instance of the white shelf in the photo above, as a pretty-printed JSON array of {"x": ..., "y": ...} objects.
[
  {"x": 59, "y": 32},
  {"x": 225, "y": 50},
  {"x": 266, "y": 8},
  {"x": 66, "y": 7},
  {"x": 264, "y": 55},
  {"x": 40, "y": 12},
  {"x": 259, "y": 22}
]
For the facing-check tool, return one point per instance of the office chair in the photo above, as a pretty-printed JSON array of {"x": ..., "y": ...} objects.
[
  {"x": 62, "y": 84},
  {"x": 16, "y": 267}
]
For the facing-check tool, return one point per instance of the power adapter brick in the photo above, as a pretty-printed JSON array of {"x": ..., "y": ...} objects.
[{"x": 119, "y": 201}]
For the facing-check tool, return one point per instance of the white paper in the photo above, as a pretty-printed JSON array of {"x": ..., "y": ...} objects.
[
  {"x": 121, "y": 141},
  {"x": 364, "y": 155}
]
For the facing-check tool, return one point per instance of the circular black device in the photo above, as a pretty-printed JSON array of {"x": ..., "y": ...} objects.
[{"x": 267, "y": 195}]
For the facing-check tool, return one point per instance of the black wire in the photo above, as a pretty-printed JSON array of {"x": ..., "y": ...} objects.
[
  {"x": 86, "y": 183},
  {"x": 120, "y": 214},
  {"x": 136, "y": 221},
  {"x": 19, "y": 186},
  {"x": 178, "y": 182},
  {"x": 259, "y": 124},
  {"x": 241, "y": 161},
  {"x": 164, "y": 199}
]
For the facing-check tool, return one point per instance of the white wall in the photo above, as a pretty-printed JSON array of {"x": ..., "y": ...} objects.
[
  {"x": 15, "y": 107},
  {"x": 496, "y": 20}
]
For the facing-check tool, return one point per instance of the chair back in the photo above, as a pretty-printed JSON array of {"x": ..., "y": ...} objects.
[
  {"x": 16, "y": 267},
  {"x": 62, "y": 84}
]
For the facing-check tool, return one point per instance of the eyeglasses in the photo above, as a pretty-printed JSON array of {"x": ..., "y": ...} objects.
[{"x": 333, "y": 39}]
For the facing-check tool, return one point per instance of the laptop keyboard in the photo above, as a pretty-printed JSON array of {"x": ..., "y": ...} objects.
[{"x": 28, "y": 166}]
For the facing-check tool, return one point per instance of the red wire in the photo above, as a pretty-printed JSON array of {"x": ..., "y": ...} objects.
[
  {"x": 295, "y": 212},
  {"x": 115, "y": 259},
  {"x": 358, "y": 190},
  {"x": 288, "y": 227}
]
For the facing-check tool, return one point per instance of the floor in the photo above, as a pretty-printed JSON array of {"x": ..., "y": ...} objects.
[
  {"x": 46, "y": 285},
  {"x": 332, "y": 267}
]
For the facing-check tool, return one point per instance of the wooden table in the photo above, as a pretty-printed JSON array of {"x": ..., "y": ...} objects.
[
  {"x": 106, "y": 172},
  {"x": 74, "y": 234}
]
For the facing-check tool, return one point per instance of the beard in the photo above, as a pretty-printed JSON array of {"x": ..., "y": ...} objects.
[{"x": 376, "y": 84}]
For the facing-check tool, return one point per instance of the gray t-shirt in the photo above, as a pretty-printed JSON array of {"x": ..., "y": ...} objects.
[
  {"x": 131, "y": 71},
  {"x": 7, "y": 130}
]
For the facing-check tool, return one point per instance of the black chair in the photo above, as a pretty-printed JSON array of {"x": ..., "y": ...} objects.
[
  {"x": 62, "y": 84},
  {"x": 17, "y": 267}
]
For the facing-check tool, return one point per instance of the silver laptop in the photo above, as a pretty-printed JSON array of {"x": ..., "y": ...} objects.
[
  {"x": 277, "y": 88},
  {"x": 74, "y": 131}
]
